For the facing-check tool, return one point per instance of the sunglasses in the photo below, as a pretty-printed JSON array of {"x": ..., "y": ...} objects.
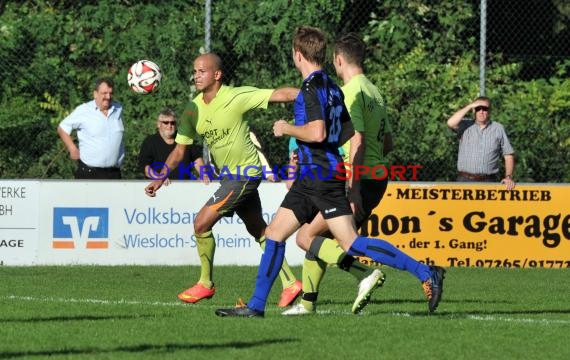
[
  {"x": 479, "y": 108},
  {"x": 169, "y": 122}
]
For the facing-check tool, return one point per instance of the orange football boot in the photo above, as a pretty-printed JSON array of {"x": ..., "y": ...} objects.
[
  {"x": 290, "y": 294},
  {"x": 196, "y": 293}
]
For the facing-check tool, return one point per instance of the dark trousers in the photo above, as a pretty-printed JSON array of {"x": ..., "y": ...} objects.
[{"x": 85, "y": 171}]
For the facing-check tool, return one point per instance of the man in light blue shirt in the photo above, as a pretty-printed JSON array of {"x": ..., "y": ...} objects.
[{"x": 99, "y": 126}]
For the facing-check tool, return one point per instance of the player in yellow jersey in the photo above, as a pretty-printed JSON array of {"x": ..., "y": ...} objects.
[{"x": 216, "y": 114}]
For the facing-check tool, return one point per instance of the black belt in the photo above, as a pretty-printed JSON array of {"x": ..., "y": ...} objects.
[
  {"x": 113, "y": 168},
  {"x": 476, "y": 177}
]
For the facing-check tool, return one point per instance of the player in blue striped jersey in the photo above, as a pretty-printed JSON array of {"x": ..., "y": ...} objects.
[{"x": 322, "y": 124}]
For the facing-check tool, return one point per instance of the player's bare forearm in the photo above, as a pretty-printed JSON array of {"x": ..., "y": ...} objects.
[
  {"x": 284, "y": 94},
  {"x": 314, "y": 131},
  {"x": 175, "y": 156}
]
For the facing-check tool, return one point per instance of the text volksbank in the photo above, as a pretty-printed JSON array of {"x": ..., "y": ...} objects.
[
  {"x": 171, "y": 216},
  {"x": 152, "y": 216}
]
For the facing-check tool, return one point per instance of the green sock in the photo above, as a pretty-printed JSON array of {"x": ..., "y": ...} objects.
[
  {"x": 327, "y": 250},
  {"x": 206, "y": 249},
  {"x": 313, "y": 272},
  {"x": 359, "y": 270},
  {"x": 286, "y": 275},
  {"x": 330, "y": 252}
]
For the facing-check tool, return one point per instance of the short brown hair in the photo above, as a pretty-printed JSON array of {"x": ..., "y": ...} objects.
[
  {"x": 311, "y": 43},
  {"x": 352, "y": 48}
]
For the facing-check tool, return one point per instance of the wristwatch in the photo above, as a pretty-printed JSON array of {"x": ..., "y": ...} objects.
[{"x": 508, "y": 177}]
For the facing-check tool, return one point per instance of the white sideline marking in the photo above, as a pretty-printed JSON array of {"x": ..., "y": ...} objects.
[
  {"x": 523, "y": 320},
  {"x": 504, "y": 319},
  {"x": 91, "y": 301},
  {"x": 319, "y": 312}
]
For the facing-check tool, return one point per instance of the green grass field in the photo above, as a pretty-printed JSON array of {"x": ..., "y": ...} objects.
[{"x": 80, "y": 312}]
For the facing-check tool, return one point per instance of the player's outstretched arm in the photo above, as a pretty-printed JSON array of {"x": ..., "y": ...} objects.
[{"x": 284, "y": 94}]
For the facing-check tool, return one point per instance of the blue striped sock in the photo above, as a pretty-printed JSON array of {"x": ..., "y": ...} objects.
[
  {"x": 269, "y": 267},
  {"x": 387, "y": 254}
]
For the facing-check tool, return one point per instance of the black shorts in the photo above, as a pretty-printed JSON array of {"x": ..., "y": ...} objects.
[
  {"x": 372, "y": 191},
  {"x": 308, "y": 196},
  {"x": 234, "y": 195}
]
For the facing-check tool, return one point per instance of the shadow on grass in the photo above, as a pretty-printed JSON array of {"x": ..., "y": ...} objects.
[
  {"x": 74, "y": 318},
  {"x": 375, "y": 308},
  {"x": 167, "y": 348}
]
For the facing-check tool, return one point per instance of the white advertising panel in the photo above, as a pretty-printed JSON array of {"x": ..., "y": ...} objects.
[
  {"x": 18, "y": 221},
  {"x": 115, "y": 223}
]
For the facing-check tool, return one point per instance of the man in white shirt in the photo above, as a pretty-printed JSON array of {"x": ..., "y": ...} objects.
[{"x": 99, "y": 126}]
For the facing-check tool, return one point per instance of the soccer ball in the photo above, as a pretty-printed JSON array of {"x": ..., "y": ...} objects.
[{"x": 144, "y": 77}]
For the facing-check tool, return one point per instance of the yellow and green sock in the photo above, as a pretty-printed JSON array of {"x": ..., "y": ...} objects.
[
  {"x": 313, "y": 272},
  {"x": 206, "y": 248}
]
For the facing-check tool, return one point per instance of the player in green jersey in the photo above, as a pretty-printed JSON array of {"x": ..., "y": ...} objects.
[{"x": 217, "y": 115}]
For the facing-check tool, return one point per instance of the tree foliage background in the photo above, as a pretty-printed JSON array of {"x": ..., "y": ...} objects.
[{"x": 423, "y": 55}]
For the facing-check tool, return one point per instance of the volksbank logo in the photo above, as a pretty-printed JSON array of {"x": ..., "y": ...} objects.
[{"x": 80, "y": 228}]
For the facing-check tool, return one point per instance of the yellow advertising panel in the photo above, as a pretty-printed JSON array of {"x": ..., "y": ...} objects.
[{"x": 483, "y": 225}]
